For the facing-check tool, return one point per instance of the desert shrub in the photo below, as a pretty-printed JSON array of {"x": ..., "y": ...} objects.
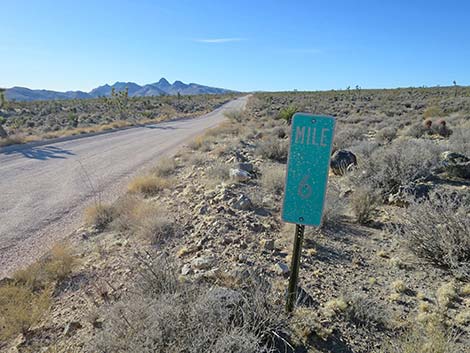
[
  {"x": 347, "y": 136},
  {"x": 459, "y": 141},
  {"x": 273, "y": 149},
  {"x": 202, "y": 143},
  {"x": 55, "y": 266},
  {"x": 398, "y": 164},
  {"x": 273, "y": 179},
  {"x": 166, "y": 315},
  {"x": 287, "y": 113},
  {"x": 60, "y": 262},
  {"x": 365, "y": 311},
  {"x": 363, "y": 150},
  {"x": 429, "y": 337},
  {"x": 363, "y": 204},
  {"x": 438, "y": 230},
  {"x": 279, "y": 132},
  {"x": 306, "y": 324},
  {"x": 334, "y": 209},
  {"x": 386, "y": 135},
  {"x": 235, "y": 115},
  {"x": 99, "y": 215},
  {"x": 432, "y": 112},
  {"x": 416, "y": 130},
  {"x": 440, "y": 128},
  {"x": 21, "y": 308},
  {"x": 165, "y": 167},
  {"x": 136, "y": 216},
  {"x": 148, "y": 185},
  {"x": 218, "y": 172}
]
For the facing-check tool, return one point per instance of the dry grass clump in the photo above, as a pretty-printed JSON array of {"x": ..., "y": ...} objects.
[
  {"x": 25, "y": 299},
  {"x": 273, "y": 179},
  {"x": 365, "y": 311},
  {"x": 164, "y": 314},
  {"x": 438, "y": 230},
  {"x": 99, "y": 215},
  {"x": 165, "y": 167},
  {"x": 446, "y": 294},
  {"x": 148, "y": 185},
  {"x": 273, "y": 149},
  {"x": 386, "y": 135},
  {"x": 333, "y": 212},
  {"x": 305, "y": 325},
  {"x": 428, "y": 337},
  {"x": 363, "y": 203},
  {"x": 139, "y": 217},
  {"x": 202, "y": 143},
  {"x": 21, "y": 308},
  {"x": 236, "y": 116},
  {"x": 12, "y": 140},
  {"x": 56, "y": 266},
  {"x": 218, "y": 172}
]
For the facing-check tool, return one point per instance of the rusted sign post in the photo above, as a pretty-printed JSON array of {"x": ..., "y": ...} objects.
[{"x": 306, "y": 182}]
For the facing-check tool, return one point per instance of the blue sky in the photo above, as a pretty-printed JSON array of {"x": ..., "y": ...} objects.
[{"x": 243, "y": 45}]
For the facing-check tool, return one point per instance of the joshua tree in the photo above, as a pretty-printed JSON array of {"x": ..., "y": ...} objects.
[
  {"x": 455, "y": 85},
  {"x": 3, "y": 133},
  {"x": 119, "y": 100}
]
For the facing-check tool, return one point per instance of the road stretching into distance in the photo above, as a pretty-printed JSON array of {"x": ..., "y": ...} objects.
[{"x": 45, "y": 189}]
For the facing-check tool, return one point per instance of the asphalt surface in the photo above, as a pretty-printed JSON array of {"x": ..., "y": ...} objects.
[{"x": 44, "y": 189}]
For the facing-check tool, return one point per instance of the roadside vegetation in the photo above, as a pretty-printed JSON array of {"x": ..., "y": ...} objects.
[
  {"x": 22, "y": 122},
  {"x": 194, "y": 257}
]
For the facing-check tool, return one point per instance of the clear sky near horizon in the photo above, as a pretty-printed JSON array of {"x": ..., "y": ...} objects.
[{"x": 241, "y": 45}]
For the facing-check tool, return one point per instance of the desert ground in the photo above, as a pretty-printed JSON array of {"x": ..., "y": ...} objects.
[{"x": 194, "y": 257}]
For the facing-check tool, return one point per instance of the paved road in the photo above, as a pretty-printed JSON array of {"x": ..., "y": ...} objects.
[{"x": 44, "y": 189}]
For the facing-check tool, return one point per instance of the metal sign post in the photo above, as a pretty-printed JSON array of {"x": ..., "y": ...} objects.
[{"x": 306, "y": 182}]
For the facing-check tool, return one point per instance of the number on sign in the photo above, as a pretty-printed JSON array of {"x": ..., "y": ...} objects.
[{"x": 304, "y": 190}]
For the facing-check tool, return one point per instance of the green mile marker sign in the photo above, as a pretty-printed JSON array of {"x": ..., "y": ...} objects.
[
  {"x": 307, "y": 169},
  {"x": 307, "y": 176}
]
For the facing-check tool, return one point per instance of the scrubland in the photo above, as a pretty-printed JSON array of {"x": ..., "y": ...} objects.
[
  {"x": 195, "y": 258},
  {"x": 37, "y": 120}
]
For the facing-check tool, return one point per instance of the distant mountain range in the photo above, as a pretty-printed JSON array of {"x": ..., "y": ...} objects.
[{"x": 162, "y": 87}]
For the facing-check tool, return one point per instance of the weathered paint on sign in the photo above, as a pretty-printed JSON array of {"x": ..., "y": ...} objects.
[{"x": 307, "y": 168}]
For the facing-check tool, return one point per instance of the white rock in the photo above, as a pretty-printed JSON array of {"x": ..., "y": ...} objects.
[{"x": 239, "y": 175}]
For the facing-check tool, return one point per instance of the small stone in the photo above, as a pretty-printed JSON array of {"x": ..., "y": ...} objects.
[
  {"x": 239, "y": 175},
  {"x": 71, "y": 327},
  {"x": 247, "y": 167},
  {"x": 267, "y": 244},
  {"x": 242, "y": 258},
  {"x": 185, "y": 270},
  {"x": 202, "y": 263},
  {"x": 281, "y": 269},
  {"x": 342, "y": 161},
  {"x": 243, "y": 203},
  {"x": 456, "y": 164}
]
